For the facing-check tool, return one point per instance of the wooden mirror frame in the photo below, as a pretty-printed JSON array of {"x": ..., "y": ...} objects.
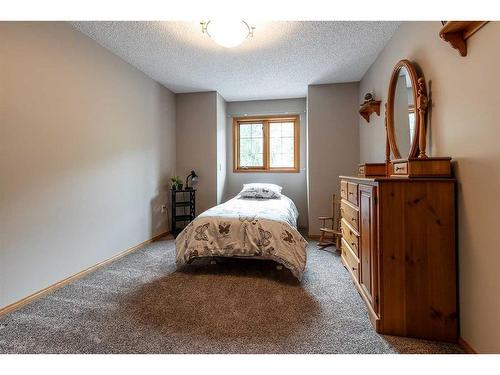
[{"x": 420, "y": 99}]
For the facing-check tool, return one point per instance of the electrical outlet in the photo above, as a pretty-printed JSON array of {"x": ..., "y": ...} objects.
[{"x": 163, "y": 208}]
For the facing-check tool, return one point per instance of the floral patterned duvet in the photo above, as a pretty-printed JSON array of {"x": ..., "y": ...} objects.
[{"x": 263, "y": 228}]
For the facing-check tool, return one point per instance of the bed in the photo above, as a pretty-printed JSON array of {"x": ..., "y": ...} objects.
[{"x": 246, "y": 227}]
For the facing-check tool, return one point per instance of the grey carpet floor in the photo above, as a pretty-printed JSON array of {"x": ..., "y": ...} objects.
[{"x": 142, "y": 304}]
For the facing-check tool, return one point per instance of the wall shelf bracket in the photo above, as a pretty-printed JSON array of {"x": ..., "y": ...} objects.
[
  {"x": 368, "y": 108},
  {"x": 457, "y": 32}
]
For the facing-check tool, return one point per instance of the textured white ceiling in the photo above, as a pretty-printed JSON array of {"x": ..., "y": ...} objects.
[{"x": 280, "y": 61}]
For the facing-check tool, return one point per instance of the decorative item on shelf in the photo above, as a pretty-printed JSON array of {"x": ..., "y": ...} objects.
[
  {"x": 457, "y": 32},
  {"x": 369, "y": 106},
  {"x": 176, "y": 183},
  {"x": 194, "y": 178},
  {"x": 227, "y": 33}
]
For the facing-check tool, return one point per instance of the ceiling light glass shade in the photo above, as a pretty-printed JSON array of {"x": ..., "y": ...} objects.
[{"x": 228, "y": 33}]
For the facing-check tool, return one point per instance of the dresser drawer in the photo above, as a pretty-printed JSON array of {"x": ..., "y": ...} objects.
[
  {"x": 350, "y": 214},
  {"x": 350, "y": 260},
  {"x": 350, "y": 237},
  {"x": 352, "y": 193},
  {"x": 401, "y": 168},
  {"x": 343, "y": 189}
]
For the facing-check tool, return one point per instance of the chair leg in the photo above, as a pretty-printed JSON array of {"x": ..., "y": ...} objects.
[{"x": 321, "y": 239}]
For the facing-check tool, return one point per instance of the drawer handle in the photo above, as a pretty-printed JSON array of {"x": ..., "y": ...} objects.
[
  {"x": 354, "y": 268},
  {"x": 353, "y": 219},
  {"x": 399, "y": 168},
  {"x": 353, "y": 244},
  {"x": 350, "y": 193}
]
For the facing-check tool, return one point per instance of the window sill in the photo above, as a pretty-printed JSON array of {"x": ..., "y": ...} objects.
[{"x": 274, "y": 170}]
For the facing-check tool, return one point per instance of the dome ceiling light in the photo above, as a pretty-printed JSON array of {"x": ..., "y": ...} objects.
[{"x": 227, "y": 33}]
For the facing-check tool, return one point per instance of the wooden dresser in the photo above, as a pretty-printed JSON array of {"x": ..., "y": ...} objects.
[{"x": 399, "y": 247}]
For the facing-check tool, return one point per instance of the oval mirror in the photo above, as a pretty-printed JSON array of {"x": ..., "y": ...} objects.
[{"x": 403, "y": 118}]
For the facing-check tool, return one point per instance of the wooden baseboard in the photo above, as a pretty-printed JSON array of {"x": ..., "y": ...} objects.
[
  {"x": 16, "y": 305},
  {"x": 466, "y": 346}
]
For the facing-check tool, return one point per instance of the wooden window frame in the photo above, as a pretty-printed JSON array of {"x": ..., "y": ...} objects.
[{"x": 266, "y": 120}]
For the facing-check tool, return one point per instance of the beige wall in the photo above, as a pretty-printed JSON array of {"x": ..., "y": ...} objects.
[
  {"x": 333, "y": 144},
  {"x": 294, "y": 184},
  {"x": 87, "y": 143},
  {"x": 464, "y": 125},
  {"x": 221, "y": 149},
  {"x": 196, "y": 144}
]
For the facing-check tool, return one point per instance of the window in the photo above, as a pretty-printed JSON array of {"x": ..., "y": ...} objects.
[{"x": 266, "y": 144}]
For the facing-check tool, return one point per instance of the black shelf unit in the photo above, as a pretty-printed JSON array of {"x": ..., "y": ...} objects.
[{"x": 183, "y": 208}]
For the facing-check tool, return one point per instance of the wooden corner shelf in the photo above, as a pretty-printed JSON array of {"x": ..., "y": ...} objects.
[
  {"x": 457, "y": 32},
  {"x": 368, "y": 108}
]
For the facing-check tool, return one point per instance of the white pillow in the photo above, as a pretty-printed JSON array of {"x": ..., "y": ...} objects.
[{"x": 260, "y": 190}]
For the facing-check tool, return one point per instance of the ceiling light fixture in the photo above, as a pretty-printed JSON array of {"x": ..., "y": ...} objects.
[{"x": 227, "y": 33}]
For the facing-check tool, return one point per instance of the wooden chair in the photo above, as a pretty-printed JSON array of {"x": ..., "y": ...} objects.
[{"x": 331, "y": 234}]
